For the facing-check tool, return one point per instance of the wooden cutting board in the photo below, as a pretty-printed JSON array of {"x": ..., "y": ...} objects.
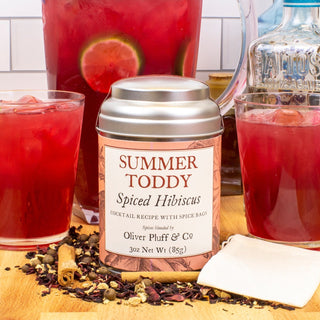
[{"x": 20, "y": 296}]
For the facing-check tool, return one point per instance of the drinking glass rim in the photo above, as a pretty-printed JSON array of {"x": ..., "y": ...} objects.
[{"x": 66, "y": 96}]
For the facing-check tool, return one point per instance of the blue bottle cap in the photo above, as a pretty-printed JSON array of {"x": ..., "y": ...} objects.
[{"x": 301, "y": 3}]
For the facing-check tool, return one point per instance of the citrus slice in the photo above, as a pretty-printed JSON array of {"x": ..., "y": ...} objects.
[
  {"x": 185, "y": 61},
  {"x": 107, "y": 60}
]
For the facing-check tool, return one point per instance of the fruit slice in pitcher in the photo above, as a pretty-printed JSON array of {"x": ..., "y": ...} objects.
[
  {"x": 107, "y": 60},
  {"x": 185, "y": 60}
]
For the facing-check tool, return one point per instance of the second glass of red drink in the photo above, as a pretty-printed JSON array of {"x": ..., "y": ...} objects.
[{"x": 278, "y": 136}]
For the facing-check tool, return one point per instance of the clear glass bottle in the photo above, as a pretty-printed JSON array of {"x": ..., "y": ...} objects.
[
  {"x": 288, "y": 58},
  {"x": 270, "y": 18}
]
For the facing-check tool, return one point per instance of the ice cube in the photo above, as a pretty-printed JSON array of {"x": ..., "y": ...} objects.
[
  {"x": 259, "y": 115},
  {"x": 38, "y": 109},
  {"x": 32, "y": 105},
  {"x": 28, "y": 99},
  {"x": 66, "y": 106},
  {"x": 315, "y": 117},
  {"x": 288, "y": 117}
]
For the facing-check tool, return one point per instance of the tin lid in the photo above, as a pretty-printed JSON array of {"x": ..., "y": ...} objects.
[{"x": 165, "y": 107}]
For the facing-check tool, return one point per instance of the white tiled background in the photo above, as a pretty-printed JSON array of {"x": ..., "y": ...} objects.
[{"x": 22, "y": 63}]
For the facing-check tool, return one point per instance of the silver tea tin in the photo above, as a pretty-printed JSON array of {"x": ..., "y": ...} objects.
[{"x": 159, "y": 174}]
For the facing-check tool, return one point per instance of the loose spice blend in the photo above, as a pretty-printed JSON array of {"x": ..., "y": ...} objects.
[{"x": 95, "y": 283}]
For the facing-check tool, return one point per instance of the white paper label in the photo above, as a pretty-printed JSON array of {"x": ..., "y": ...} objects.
[{"x": 158, "y": 203}]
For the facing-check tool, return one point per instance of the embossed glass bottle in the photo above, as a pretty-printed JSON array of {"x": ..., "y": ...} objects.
[{"x": 288, "y": 58}]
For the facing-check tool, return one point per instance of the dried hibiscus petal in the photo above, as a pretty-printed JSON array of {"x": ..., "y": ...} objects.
[
  {"x": 175, "y": 297},
  {"x": 153, "y": 295}
]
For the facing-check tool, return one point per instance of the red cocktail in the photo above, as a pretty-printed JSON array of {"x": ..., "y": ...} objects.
[
  {"x": 280, "y": 161},
  {"x": 39, "y": 151},
  {"x": 90, "y": 44}
]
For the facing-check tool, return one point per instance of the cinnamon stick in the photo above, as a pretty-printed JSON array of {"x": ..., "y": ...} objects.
[
  {"x": 161, "y": 276},
  {"x": 66, "y": 265}
]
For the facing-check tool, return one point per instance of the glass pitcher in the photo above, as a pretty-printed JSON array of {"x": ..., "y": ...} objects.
[
  {"x": 91, "y": 43},
  {"x": 231, "y": 182},
  {"x": 249, "y": 33}
]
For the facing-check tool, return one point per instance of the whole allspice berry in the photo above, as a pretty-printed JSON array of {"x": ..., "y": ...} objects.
[
  {"x": 103, "y": 270},
  {"x": 34, "y": 262},
  {"x": 49, "y": 259},
  {"x": 25, "y": 268},
  {"x": 110, "y": 294},
  {"x": 93, "y": 240},
  {"x": 67, "y": 240},
  {"x": 86, "y": 260},
  {"x": 52, "y": 252},
  {"x": 92, "y": 276},
  {"x": 83, "y": 237}
]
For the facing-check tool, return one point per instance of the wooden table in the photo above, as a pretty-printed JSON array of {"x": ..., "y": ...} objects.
[{"x": 20, "y": 295}]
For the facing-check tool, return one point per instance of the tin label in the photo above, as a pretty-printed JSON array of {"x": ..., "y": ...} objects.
[{"x": 158, "y": 203}]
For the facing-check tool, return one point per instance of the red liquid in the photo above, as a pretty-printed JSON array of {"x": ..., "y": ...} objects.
[
  {"x": 38, "y": 155},
  {"x": 164, "y": 32},
  {"x": 280, "y": 160}
]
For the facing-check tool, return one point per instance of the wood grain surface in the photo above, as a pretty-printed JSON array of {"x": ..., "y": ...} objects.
[{"x": 20, "y": 295}]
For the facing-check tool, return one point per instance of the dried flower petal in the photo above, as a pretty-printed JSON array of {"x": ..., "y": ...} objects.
[
  {"x": 176, "y": 298},
  {"x": 153, "y": 296}
]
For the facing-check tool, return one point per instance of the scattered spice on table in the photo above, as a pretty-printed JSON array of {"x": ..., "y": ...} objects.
[{"x": 96, "y": 283}]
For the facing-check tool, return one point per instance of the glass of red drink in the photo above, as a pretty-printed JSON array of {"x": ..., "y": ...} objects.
[
  {"x": 40, "y": 137},
  {"x": 89, "y": 44},
  {"x": 278, "y": 135}
]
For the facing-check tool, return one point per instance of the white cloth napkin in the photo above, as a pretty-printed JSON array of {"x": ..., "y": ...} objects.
[{"x": 264, "y": 270}]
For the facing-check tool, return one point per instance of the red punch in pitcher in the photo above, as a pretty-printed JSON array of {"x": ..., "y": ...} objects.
[{"x": 89, "y": 44}]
